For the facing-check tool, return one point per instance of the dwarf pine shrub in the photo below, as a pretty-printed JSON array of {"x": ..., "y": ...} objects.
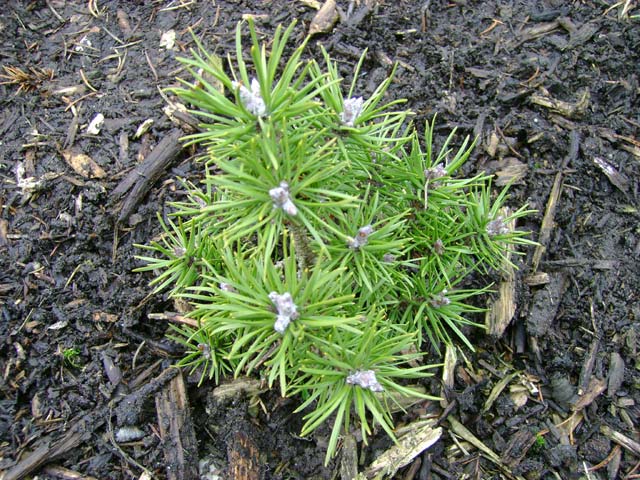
[{"x": 327, "y": 240}]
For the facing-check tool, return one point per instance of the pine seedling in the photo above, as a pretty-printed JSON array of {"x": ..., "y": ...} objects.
[{"x": 326, "y": 238}]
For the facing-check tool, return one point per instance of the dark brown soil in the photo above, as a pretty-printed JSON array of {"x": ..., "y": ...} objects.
[{"x": 551, "y": 88}]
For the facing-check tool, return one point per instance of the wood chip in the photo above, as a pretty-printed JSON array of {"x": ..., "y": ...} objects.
[
  {"x": 621, "y": 439},
  {"x": 617, "y": 179},
  {"x": 566, "y": 109},
  {"x": 416, "y": 437},
  {"x": 349, "y": 460},
  {"x": 123, "y": 22},
  {"x": 496, "y": 391},
  {"x": 114, "y": 374},
  {"x": 95, "y": 125},
  {"x": 548, "y": 221},
  {"x": 510, "y": 171},
  {"x": 448, "y": 370},
  {"x": 59, "y": 472},
  {"x": 312, "y": 4},
  {"x": 519, "y": 444},
  {"x": 235, "y": 389},
  {"x": 501, "y": 311},
  {"x": 537, "y": 279},
  {"x": 143, "y": 128},
  {"x": 83, "y": 164},
  {"x": 519, "y": 395},
  {"x": 177, "y": 432},
  {"x": 4, "y": 230},
  {"x": 595, "y": 388},
  {"x": 36, "y": 407},
  {"x": 616, "y": 373},
  {"x": 139, "y": 181},
  {"x": 128, "y": 434},
  {"x": 243, "y": 457},
  {"x": 59, "y": 325},
  {"x": 545, "y": 305},
  {"x": 537, "y": 31},
  {"x": 104, "y": 317},
  {"x": 325, "y": 19},
  {"x": 587, "y": 366}
]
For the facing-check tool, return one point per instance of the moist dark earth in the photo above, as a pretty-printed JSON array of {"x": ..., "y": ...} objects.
[{"x": 549, "y": 88}]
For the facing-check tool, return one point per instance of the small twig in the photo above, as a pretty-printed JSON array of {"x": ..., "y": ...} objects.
[
  {"x": 606, "y": 461},
  {"x": 112, "y": 35},
  {"x": 86, "y": 82},
  {"x": 94, "y": 9},
  {"x": 424, "y": 16},
  {"x": 508, "y": 144},
  {"x": 174, "y": 317},
  {"x": 493, "y": 25},
  {"x": 64, "y": 473},
  {"x": 142, "y": 178},
  {"x": 176, "y": 7},
  {"x": 153, "y": 70},
  {"x": 55, "y": 14}
]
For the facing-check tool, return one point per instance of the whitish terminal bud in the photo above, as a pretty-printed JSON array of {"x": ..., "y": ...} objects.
[
  {"x": 205, "y": 350},
  {"x": 287, "y": 310},
  {"x": 351, "y": 110},
  {"x": 281, "y": 199},
  {"x": 438, "y": 247},
  {"x": 435, "y": 172},
  {"x": 361, "y": 238},
  {"x": 365, "y": 379},
  {"x": 432, "y": 174},
  {"x": 251, "y": 99},
  {"x": 440, "y": 300},
  {"x": 225, "y": 287},
  {"x": 179, "y": 251},
  {"x": 497, "y": 227}
]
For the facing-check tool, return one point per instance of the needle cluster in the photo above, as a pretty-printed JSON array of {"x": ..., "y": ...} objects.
[{"x": 330, "y": 243}]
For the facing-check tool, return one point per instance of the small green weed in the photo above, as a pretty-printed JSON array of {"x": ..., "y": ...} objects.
[
  {"x": 539, "y": 444},
  {"x": 70, "y": 357}
]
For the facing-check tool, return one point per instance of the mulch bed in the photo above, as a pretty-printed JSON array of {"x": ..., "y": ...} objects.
[{"x": 551, "y": 90}]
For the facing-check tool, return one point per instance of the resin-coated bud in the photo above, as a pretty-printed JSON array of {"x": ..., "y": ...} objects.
[
  {"x": 251, "y": 99},
  {"x": 435, "y": 172},
  {"x": 440, "y": 300},
  {"x": 287, "y": 310},
  {"x": 281, "y": 199},
  {"x": 361, "y": 238},
  {"x": 497, "y": 227},
  {"x": 438, "y": 247},
  {"x": 205, "y": 350},
  {"x": 365, "y": 379},
  {"x": 226, "y": 287},
  {"x": 351, "y": 111}
]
